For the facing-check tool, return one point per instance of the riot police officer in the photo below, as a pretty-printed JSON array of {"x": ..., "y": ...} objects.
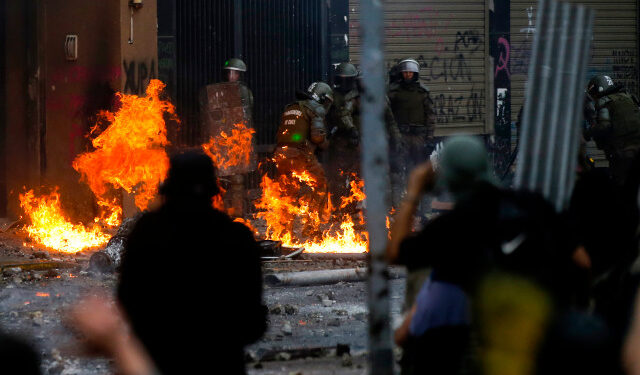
[
  {"x": 302, "y": 131},
  {"x": 343, "y": 122},
  {"x": 342, "y": 157},
  {"x": 615, "y": 127},
  {"x": 413, "y": 111},
  {"x": 234, "y": 70}
]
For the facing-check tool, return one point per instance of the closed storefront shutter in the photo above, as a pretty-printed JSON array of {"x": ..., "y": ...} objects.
[
  {"x": 614, "y": 48},
  {"x": 449, "y": 40}
]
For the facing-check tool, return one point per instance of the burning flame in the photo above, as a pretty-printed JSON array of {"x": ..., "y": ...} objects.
[
  {"x": 231, "y": 150},
  {"x": 52, "y": 229},
  {"x": 130, "y": 153},
  {"x": 281, "y": 210},
  {"x": 42, "y": 294}
]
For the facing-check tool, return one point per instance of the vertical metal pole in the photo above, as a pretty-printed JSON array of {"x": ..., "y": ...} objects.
[
  {"x": 237, "y": 29},
  {"x": 375, "y": 169},
  {"x": 324, "y": 41}
]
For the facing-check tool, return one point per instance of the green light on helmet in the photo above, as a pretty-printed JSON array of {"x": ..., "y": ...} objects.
[
  {"x": 297, "y": 137},
  {"x": 226, "y": 63}
]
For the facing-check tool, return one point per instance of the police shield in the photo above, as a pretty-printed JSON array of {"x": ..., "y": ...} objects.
[{"x": 228, "y": 128}]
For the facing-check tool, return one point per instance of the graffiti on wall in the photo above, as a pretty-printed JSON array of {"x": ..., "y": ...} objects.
[
  {"x": 453, "y": 67},
  {"x": 425, "y": 23},
  {"x": 137, "y": 75},
  {"x": 503, "y": 57},
  {"x": 460, "y": 107},
  {"x": 624, "y": 68}
]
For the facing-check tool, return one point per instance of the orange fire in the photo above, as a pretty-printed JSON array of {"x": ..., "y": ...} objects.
[
  {"x": 130, "y": 153},
  {"x": 231, "y": 150},
  {"x": 281, "y": 210},
  {"x": 51, "y": 228}
]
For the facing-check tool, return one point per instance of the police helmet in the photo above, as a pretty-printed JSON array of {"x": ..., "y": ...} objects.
[
  {"x": 599, "y": 86},
  {"x": 235, "y": 64},
  {"x": 320, "y": 92},
  {"x": 346, "y": 70},
  {"x": 409, "y": 65}
]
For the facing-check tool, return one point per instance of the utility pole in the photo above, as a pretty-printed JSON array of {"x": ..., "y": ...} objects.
[{"x": 375, "y": 167}]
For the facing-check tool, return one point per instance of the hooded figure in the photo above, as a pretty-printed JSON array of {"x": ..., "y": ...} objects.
[
  {"x": 488, "y": 230},
  {"x": 170, "y": 311}
]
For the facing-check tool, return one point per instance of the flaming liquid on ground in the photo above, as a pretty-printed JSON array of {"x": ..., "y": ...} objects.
[
  {"x": 129, "y": 154},
  {"x": 50, "y": 227},
  {"x": 282, "y": 208}
]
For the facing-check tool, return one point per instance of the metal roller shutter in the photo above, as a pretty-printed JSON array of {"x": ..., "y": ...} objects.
[
  {"x": 448, "y": 38},
  {"x": 614, "y": 47}
]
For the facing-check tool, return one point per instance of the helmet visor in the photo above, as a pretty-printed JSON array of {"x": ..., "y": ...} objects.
[{"x": 409, "y": 66}]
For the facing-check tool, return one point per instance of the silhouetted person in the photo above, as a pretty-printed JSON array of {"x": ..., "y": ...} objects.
[
  {"x": 191, "y": 281},
  {"x": 18, "y": 357}
]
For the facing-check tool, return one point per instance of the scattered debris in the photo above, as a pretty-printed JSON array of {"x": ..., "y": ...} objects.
[
  {"x": 11, "y": 271},
  {"x": 109, "y": 259},
  {"x": 360, "y": 316},
  {"x": 283, "y": 356},
  {"x": 346, "y": 360},
  {"x": 37, "y": 265},
  {"x": 41, "y": 255},
  {"x": 342, "y": 349},
  {"x": 6, "y": 225},
  {"x": 334, "y": 322},
  {"x": 276, "y": 309},
  {"x": 300, "y": 353},
  {"x": 286, "y": 329},
  {"x": 290, "y": 309},
  {"x": 37, "y": 317}
]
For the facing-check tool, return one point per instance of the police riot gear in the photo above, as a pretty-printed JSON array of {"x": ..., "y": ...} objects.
[
  {"x": 321, "y": 93},
  {"x": 346, "y": 74},
  {"x": 409, "y": 65},
  {"x": 616, "y": 126},
  {"x": 235, "y": 64}
]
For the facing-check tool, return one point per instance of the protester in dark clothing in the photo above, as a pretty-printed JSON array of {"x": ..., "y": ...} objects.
[
  {"x": 578, "y": 343},
  {"x": 489, "y": 229},
  {"x": 183, "y": 263},
  {"x": 17, "y": 356}
]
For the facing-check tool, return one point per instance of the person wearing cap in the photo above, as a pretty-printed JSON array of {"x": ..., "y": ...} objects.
[
  {"x": 234, "y": 72},
  {"x": 412, "y": 109},
  {"x": 301, "y": 132}
]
